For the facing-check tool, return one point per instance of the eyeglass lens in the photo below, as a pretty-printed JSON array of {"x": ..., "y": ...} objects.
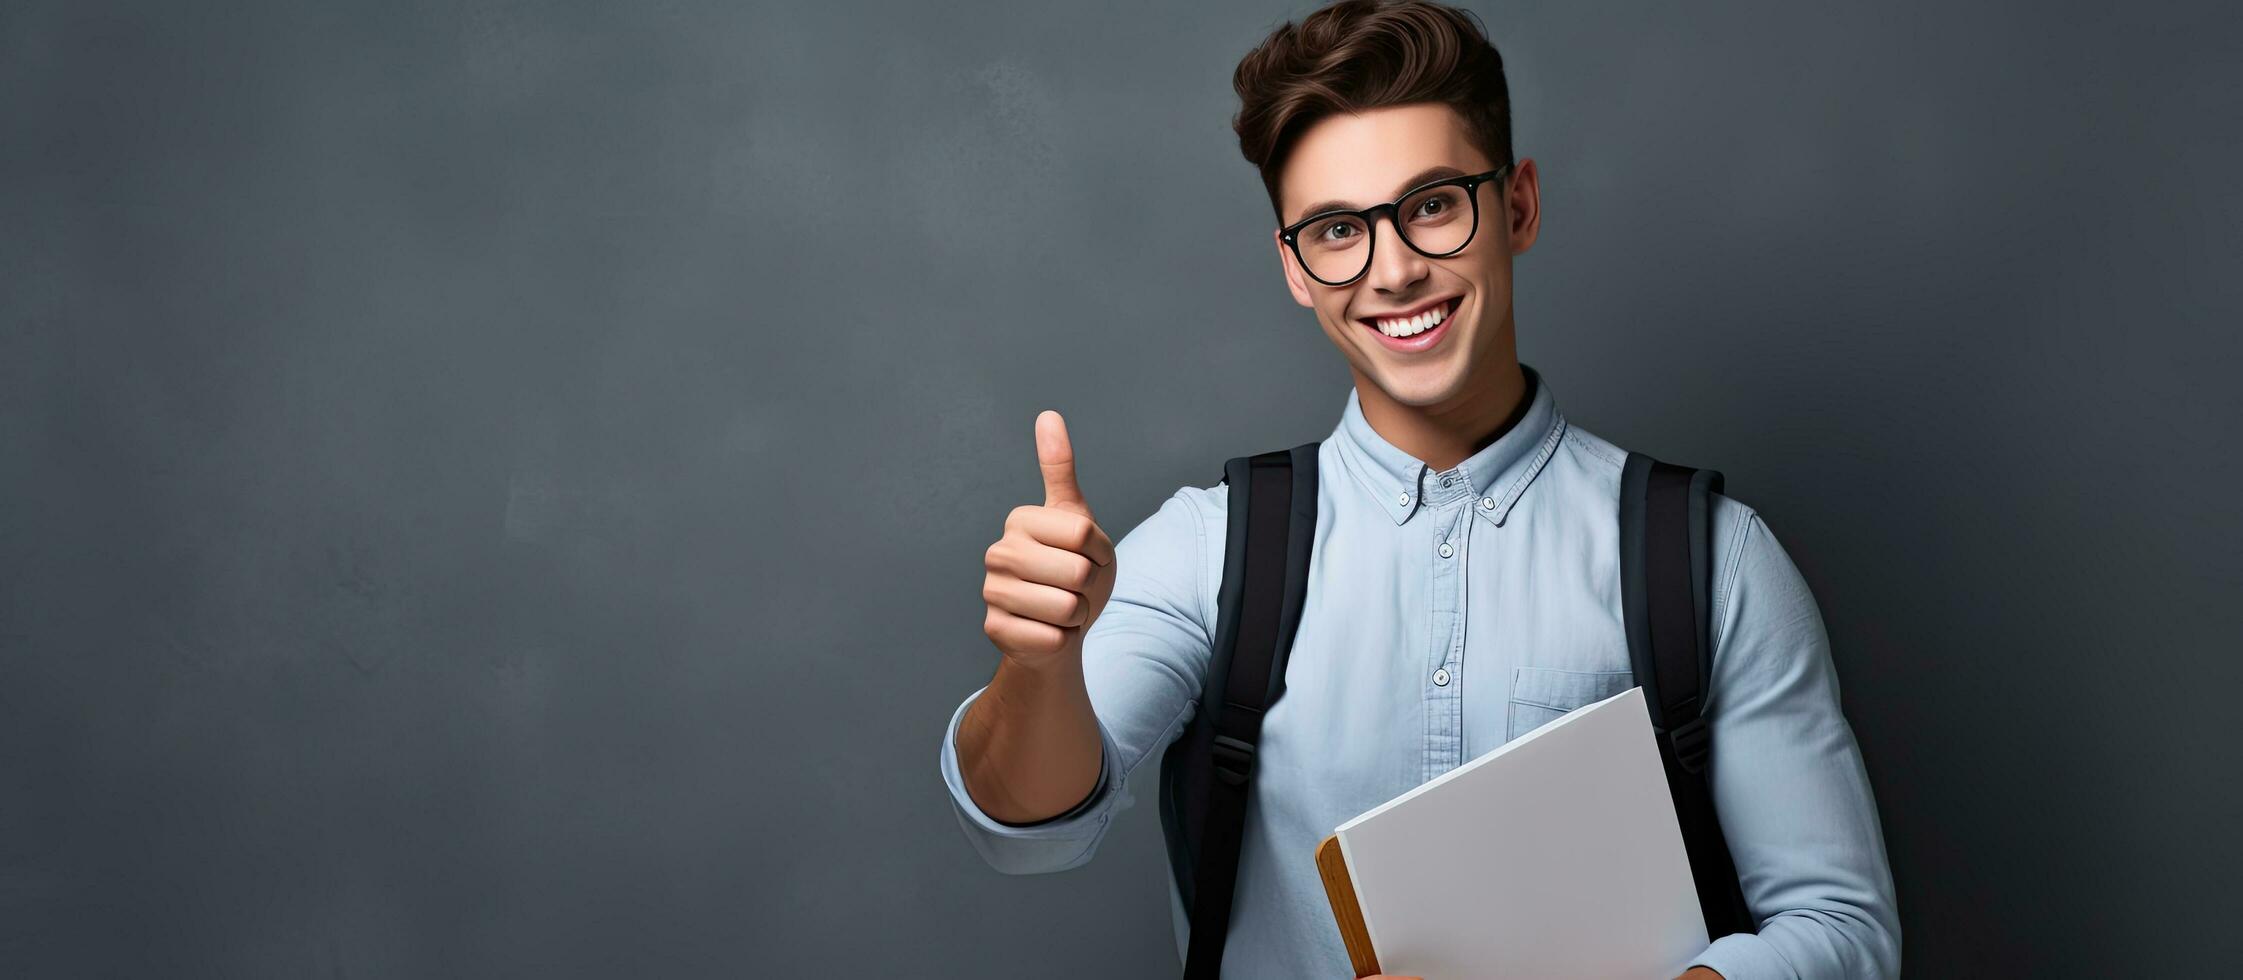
[{"x": 1437, "y": 220}]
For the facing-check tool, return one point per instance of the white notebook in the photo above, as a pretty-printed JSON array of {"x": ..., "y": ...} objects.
[{"x": 1555, "y": 855}]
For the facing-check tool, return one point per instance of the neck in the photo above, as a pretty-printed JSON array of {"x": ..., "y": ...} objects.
[{"x": 1444, "y": 435}]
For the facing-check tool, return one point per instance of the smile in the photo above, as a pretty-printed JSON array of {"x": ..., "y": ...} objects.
[{"x": 1415, "y": 330}]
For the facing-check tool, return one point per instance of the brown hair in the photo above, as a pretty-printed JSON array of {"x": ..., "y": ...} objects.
[{"x": 1364, "y": 54}]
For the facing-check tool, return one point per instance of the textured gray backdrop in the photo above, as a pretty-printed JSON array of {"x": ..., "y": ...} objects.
[{"x": 498, "y": 489}]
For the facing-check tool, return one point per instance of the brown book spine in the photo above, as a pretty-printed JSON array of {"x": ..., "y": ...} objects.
[{"x": 1331, "y": 865}]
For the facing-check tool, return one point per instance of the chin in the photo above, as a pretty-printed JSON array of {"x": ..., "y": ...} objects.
[
  {"x": 1424, "y": 385},
  {"x": 1422, "y": 394}
]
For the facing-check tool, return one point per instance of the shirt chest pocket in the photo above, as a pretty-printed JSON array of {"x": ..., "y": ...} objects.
[{"x": 1540, "y": 694}]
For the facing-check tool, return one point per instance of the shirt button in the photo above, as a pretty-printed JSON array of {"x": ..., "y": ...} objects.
[
  {"x": 1445, "y": 550},
  {"x": 1440, "y": 677},
  {"x": 1447, "y": 480},
  {"x": 1403, "y": 499},
  {"x": 1487, "y": 503}
]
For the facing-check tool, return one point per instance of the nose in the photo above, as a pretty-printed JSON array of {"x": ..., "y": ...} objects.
[{"x": 1395, "y": 266}]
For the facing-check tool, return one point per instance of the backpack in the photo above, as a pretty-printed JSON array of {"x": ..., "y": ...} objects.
[{"x": 1207, "y": 772}]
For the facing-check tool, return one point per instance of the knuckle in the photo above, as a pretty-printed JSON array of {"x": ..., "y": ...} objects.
[
  {"x": 1019, "y": 635},
  {"x": 1050, "y": 639}
]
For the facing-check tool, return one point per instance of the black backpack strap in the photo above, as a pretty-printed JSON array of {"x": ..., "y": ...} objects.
[
  {"x": 1666, "y": 567},
  {"x": 1272, "y": 525}
]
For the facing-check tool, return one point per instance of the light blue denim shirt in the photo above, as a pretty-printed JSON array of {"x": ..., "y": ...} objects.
[{"x": 1447, "y": 613}]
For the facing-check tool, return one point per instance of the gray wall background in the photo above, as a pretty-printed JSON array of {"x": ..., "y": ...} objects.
[{"x": 498, "y": 489}]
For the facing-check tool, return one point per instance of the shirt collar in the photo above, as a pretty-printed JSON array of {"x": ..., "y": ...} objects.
[{"x": 1492, "y": 479}]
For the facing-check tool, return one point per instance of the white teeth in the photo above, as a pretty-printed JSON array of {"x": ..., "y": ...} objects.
[{"x": 1413, "y": 325}]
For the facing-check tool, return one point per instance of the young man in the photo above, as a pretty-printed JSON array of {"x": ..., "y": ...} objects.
[{"x": 1465, "y": 583}]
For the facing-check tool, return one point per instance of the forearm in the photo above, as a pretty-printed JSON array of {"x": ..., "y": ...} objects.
[{"x": 1028, "y": 747}]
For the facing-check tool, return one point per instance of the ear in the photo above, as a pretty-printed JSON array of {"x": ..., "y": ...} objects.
[
  {"x": 1295, "y": 278},
  {"x": 1523, "y": 205}
]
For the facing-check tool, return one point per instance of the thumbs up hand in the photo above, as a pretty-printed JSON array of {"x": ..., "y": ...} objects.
[{"x": 1051, "y": 573}]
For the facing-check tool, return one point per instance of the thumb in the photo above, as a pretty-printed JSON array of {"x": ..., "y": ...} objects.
[{"x": 1056, "y": 455}]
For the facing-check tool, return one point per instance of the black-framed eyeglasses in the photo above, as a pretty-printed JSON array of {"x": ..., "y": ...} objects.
[{"x": 1436, "y": 219}]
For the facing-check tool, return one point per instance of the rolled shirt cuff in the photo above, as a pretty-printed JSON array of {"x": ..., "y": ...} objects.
[
  {"x": 1745, "y": 956},
  {"x": 1060, "y": 842}
]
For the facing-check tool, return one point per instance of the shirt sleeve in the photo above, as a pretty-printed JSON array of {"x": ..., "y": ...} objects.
[
  {"x": 1143, "y": 661},
  {"x": 1788, "y": 779}
]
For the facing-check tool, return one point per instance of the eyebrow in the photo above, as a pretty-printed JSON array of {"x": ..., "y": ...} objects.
[{"x": 1422, "y": 176}]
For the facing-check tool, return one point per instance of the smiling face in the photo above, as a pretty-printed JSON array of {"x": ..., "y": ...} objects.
[{"x": 1370, "y": 158}]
